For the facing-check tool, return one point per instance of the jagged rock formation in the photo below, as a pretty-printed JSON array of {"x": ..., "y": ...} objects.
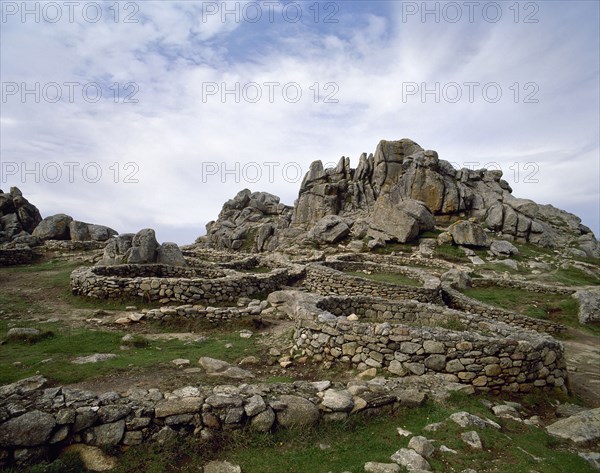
[
  {"x": 396, "y": 194},
  {"x": 141, "y": 248},
  {"x": 250, "y": 220},
  {"x": 18, "y": 218}
]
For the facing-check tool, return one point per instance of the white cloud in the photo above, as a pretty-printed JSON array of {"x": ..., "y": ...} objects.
[{"x": 172, "y": 131}]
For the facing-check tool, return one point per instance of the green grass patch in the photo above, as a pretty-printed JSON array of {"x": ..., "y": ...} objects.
[
  {"x": 575, "y": 277},
  {"x": 396, "y": 248},
  {"x": 558, "y": 308},
  {"x": 391, "y": 278},
  {"x": 257, "y": 270},
  {"x": 451, "y": 253},
  {"x": 52, "y": 357}
]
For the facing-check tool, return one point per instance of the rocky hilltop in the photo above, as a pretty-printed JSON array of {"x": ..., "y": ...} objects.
[
  {"x": 395, "y": 195},
  {"x": 21, "y": 224}
]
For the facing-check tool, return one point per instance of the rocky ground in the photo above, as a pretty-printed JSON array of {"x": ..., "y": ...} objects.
[{"x": 38, "y": 296}]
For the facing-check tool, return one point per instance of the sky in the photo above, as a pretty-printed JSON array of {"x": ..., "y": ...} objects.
[{"x": 154, "y": 113}]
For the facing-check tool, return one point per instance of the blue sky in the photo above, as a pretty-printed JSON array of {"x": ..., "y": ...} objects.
[{"x": 361, "y": 76}]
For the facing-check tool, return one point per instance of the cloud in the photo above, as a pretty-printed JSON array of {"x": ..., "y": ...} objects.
[{"x": 195, "y": 79}]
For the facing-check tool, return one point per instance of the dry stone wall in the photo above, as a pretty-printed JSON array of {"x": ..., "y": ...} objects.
[
  {"x": 408, "y": 338},
  {"x": 34, "y": 418},
  {"x": 329, "y": 281},
  {"x": 194, "y": 312},
  {"x": 459, "y": 301},
  {"x": 524, "y": 285},
  {"x": 16, "y": 256},
  {"x": 213, "y": 286}
]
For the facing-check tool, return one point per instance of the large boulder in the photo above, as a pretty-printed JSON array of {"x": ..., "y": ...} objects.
[
  {"x": 55, "y": 227},
  {"x": 468, "y": 233},
  {"x": 28, "y": 430},
  {"x": 170, "y": 254},
  {"x": 81, "y": 231},
  {"x": 19, "y": 215},
  {"x": 117, "y": 249},
  {"x": 299, "y": 412},
  {"x": 402, "y": 221},
  {"x": 503, "y": 248},
  {"x": 330, "y": 229},
  {"x": 589, "y": 305},
  {"x": 143, "y": 247},
  {"x": 580, "y": 428}
]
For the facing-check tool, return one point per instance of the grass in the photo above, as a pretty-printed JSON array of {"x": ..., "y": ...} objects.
[
  {"x": 53, "y": 278},
  {"x": 257, "y": 270},
  {"x": 396, "y": 248},
  {"x": 348, "y": 445},
  {"x": 575, "y": 277},
  {"x": 52, "y": 356},
  {"x": 451, "y": 253},
  {"x": 554, "y": 307},
  {"x": 391, "y": 278}
]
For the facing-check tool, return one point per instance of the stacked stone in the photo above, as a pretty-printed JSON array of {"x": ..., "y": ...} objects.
[
  {"x": 396, "y": 260},
  {"x": 196, "y": 290},
  {"x": 212, "y": 314},
  {"x": 15, "y": 256},
  {"x": 503, "y": 361},
  {"x": 457, "y": 300},
  {"x": 326, "y": 281},
  {"x": 525, "y": 285},
  {"x": 34, "y": 418}
]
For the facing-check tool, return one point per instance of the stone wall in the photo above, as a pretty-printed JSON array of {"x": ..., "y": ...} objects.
[
  {"x": 68, "y": 245},
  {"x": 396, "y": 260},
  {"x": 194, "y": 312},
  {"x": 12, "y": 257},
  {"x": 158, "y": 271},
  {"x": 88, "y": 282},
  {"x": 329, "y": 281},
  {"x": 524, "y": 285},
  {"x": 408, "y": 338},
  {"x": 35, "y": 419},
  {"x": 459, "y": 301}
]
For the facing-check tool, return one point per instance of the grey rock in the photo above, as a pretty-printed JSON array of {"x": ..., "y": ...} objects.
[
  {"x": 410, "y": 459},
  {"x": 457, "y": 278},
  {"x": 399, "y": 221},
  {"x": 170, "y": 254},
  {"x": 28, "y": 430},
  {"x": 108, "y": 435},
  {"x": 503, "y": 248},
  {"x": 472, "y": 439},
  {"x": 593, "y": 458},
  {"x": 422, "y": 446},
  {"x": 175, "y": 407},
  {"x": 55, "y": 227},
  {"x": 579, "y": 428},
  {"x": 143, "y": 247},
  {"x": 221, "y": 467},
  {"x": 117, "y": 250},
  {"x": 299, "y": 412},
  {"x": 373, "y": 467},
  {"x": 95, "y": 358},
  {"x": 464, "y": 419},
  {"x": 330, "y": 229},
  {"x": 468, "y": 233},
  {"x": 337, "y": 401},
  {"x": 506, "y": 412},
  {"x": 263, "y": 421},
  {"x": 589, "y": 305}
]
